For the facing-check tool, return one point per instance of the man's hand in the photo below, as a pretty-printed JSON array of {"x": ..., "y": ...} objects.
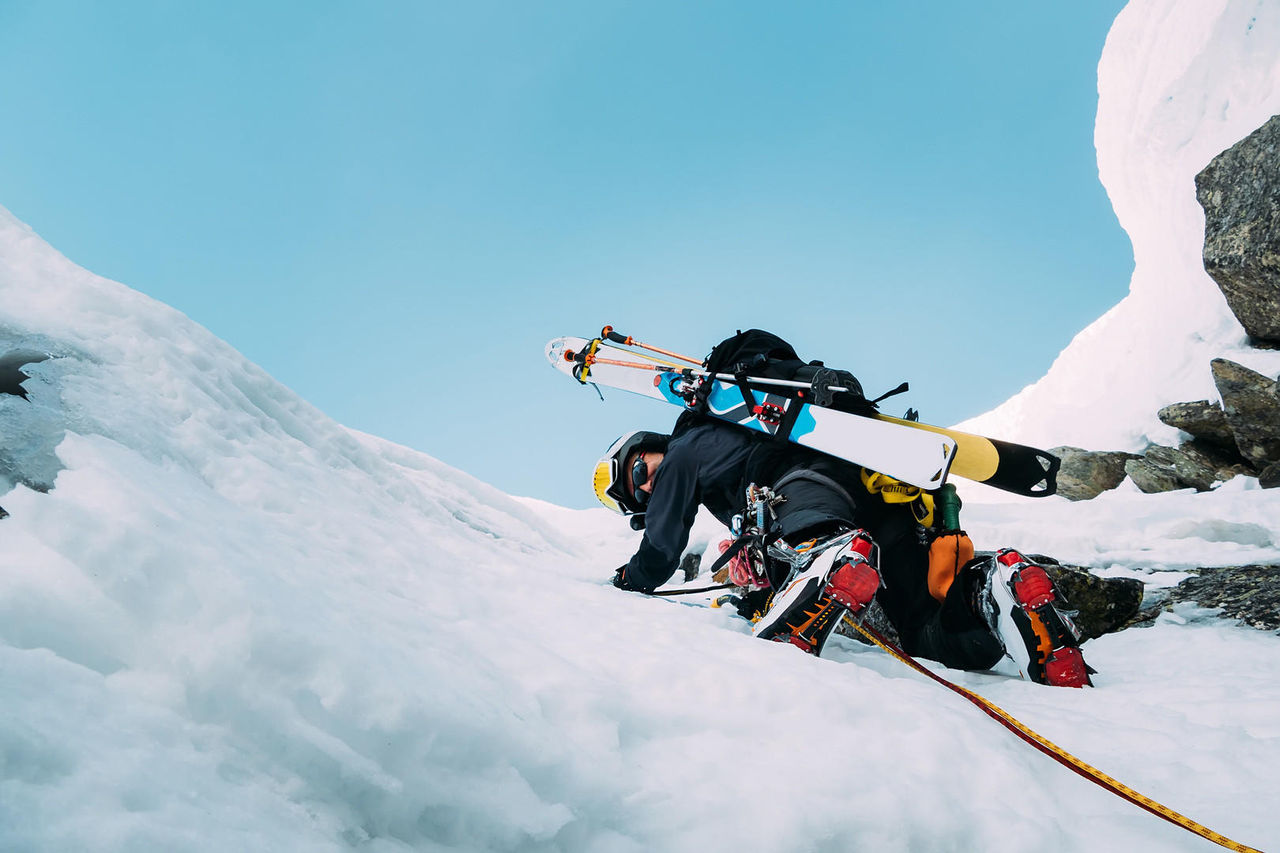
[{"x": 621, "y": 581}]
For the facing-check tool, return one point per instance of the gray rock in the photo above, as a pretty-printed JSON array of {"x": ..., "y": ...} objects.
[
  {"x": 690, "y": 564},
  {"x": 1268, "y": 479},
  {"x": 1248, "y": 593},
  {"x": 1252, "y": 407},
  {"x": 1187, "y": 469},
  {"x": 1240, "y": 193},
  {"x": 1085, "y": 474},
  {"x": 1202, "y": 419},
  {"x": 1152, "y": 478},
  {"x": 1226, "y": 462},
  {"x": 1102, "y": 605}
]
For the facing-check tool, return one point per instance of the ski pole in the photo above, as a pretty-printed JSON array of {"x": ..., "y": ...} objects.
[
  {"x": 586, "y": 359},
  {"x": 608, "y": 334},
  {"x": 647, "y": 356},
  {"x": 583, "y": 358}
]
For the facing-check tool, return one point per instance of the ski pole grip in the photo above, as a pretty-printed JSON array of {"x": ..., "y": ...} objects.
[
  {"x": 948, "y": 503},
  {"x": 610, "y": 335}
]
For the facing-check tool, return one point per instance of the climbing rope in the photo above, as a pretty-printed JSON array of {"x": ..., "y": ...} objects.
[{"x": 1051, "y": 749}]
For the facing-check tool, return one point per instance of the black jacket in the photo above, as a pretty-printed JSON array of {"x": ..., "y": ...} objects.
[
  {"x": 703, "y": 466},
  {"x": 711, "y": 464}
]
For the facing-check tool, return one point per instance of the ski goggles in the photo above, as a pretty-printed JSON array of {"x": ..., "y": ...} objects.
[
  {"x": 606, "y": 475},
  {"x": 639, "y": 476}
]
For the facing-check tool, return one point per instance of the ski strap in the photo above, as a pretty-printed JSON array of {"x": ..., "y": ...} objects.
[
  {"x": 1051, "y": 749},
  {"x": 901, "y": 389},
  {"x": 729, "y": 553},
  {"x": 583, "y": 361}
]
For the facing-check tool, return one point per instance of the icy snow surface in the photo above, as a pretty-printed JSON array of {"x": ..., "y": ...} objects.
[
  {"x": 233, "y": 624},
  {"x": 1179, "y": 82}
]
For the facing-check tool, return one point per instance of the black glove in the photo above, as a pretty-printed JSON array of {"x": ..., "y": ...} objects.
[
  {"x": 621, "y": 582},
  {"x": 755, "y": 603}
]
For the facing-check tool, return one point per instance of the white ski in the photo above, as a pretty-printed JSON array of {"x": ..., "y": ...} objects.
[{"x": 918, "y": 457}]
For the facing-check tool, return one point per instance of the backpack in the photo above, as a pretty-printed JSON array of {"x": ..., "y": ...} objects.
[{"x": 761, "y": 354}]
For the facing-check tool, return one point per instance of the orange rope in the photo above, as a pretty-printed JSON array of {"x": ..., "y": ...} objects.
[{"x": 1054, "y": 751}]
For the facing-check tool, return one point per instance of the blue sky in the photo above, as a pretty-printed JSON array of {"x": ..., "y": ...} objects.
[{"x": 391, "y": 206}]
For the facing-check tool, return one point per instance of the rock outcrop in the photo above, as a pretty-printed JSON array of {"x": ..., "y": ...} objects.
[
  {"x": 1151, "y": 477},
  {"x": 1085, "y": 474},
  {"x": 1240, "y": 193},
  {"x": 1239, "y": 436},
  {"x": 1248, "y": 593},
  {"x": 1270, "y": 476},
  {"x": 1251, "y": 404},
  {"x": 1102, "y": 605},
  {"x": 1201, "y": 419}
]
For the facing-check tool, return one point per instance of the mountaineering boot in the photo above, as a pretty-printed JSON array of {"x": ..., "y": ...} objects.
[
  {"x": 1020, "y": 604},
  {"x": 834, "y": 576}
]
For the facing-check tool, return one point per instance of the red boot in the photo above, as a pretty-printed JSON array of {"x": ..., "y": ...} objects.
[
  {"x": 1022, "y": 606},
  {"x": 840, "y": 578}
]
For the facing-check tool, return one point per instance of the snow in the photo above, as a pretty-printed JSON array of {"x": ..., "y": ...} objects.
[
  {"x": 233, "y": 624},
  {"x": 1179, "y": 82}
]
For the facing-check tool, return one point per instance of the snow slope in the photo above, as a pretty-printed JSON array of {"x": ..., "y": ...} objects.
[
  {"x": 1179, "y": 82},
  {"x": 233, "y": 624}
]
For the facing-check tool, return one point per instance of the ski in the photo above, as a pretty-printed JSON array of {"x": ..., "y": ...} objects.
[
  {"x": 1015, "y": 468},
  {"x": 919, "y": 457}
]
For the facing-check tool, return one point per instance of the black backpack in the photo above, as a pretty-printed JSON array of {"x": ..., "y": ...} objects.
[{"x": 760, "y": 354}]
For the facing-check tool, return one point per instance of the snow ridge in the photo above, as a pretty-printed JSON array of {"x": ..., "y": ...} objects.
[{"x": 1178, "y": 83}]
